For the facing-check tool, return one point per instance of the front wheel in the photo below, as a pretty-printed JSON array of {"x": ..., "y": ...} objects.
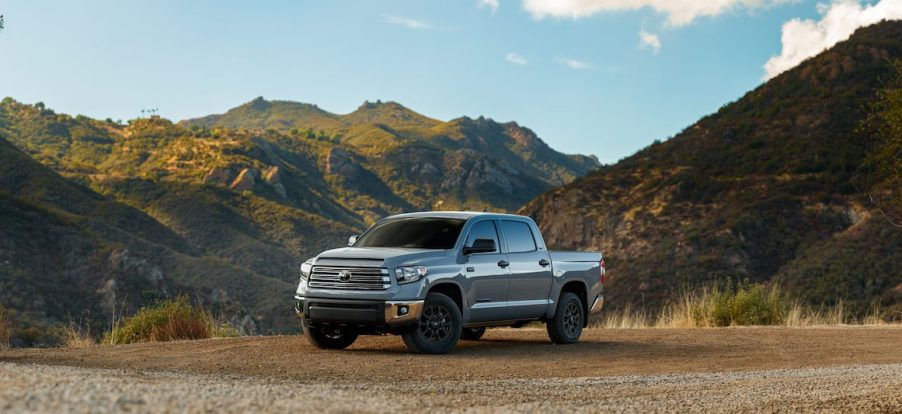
[
  {"x": 330, "y": 337},
  {"x": 567, "y": 324},
  {"x": 439, "y": 327}
]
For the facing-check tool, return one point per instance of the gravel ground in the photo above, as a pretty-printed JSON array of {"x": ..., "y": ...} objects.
[
  {"x": 40, "y": 388},
  {"x": 772, "y": 369}
]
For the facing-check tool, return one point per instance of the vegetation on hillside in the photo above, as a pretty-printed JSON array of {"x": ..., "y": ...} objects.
[
  {"x": 767, "y": 189},
  {"x": 885, "y": 158},
  {"x": 65, "y": 250}
]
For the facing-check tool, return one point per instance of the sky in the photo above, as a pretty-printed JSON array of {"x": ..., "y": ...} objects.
[{"x": 601, "y": 77}]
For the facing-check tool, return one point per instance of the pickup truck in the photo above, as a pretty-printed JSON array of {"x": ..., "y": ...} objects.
[{"x": 437, "y": 277}]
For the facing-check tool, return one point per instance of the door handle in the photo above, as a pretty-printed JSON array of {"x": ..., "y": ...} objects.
[
  {"x": 544, "y": 263},
  {"x": 503, "y": 263}
]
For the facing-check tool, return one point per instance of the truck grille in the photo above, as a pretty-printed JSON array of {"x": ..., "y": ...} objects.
[{"x": 361, "y": 278}]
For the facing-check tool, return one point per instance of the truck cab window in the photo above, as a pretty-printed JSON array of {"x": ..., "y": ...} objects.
[
  {"x": 519, "y": 236},
  {"x": 483, "y": 230},
  {"x": 413, "y": 233}
]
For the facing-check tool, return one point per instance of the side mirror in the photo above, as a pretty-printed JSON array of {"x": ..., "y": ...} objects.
[
  {"x": 481, "y": 246},
  {"x": 352, "y": 240}
]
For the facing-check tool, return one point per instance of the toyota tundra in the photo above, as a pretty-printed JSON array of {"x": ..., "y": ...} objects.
[{"x": 437, "y": 277}]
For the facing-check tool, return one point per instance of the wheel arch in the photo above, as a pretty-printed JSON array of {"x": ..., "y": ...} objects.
[
  {"x": 453, "y": 291},
  {"x": 578, "y": 288}
]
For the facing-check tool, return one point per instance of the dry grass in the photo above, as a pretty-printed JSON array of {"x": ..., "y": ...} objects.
[
  {"x": 75, "y": 338},
  {"x": 77, "y": 335},
  {"x": 746, "y": 305},
  {"x": 5, "y": 329}
]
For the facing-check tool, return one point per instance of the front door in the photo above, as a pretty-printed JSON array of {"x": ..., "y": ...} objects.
[
  {"x": 530, "y": 272},
  {"x": 487, "y": 274}
]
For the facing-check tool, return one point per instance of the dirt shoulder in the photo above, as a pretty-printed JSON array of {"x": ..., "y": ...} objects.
[{"x": 502, "y": 354}]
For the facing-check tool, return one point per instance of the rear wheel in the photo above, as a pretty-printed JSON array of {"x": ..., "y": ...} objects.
[
  {"x": 330, "y": 337},
  {"x": 439, "y": 327},
  {"x": 567, "y": 324},
  {"x": 472, "y": 334}
]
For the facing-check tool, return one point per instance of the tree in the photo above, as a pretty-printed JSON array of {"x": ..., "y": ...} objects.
[
  {"x": 1, "y": 22},
  {"x": 885, "y": 157}
]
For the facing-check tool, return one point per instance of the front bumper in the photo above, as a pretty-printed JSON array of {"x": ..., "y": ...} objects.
[
  {"x": 596, "y": 306},
  {"x": 361, "y": 312}
]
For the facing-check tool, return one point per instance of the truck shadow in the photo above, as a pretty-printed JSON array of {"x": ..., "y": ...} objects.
[{"x": 520, "y": 348}]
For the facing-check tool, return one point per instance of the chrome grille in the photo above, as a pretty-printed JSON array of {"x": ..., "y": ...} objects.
[{"x": 362, "y": 278}]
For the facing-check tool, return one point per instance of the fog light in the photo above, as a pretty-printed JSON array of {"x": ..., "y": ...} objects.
[{"x": 402, "y": 310}]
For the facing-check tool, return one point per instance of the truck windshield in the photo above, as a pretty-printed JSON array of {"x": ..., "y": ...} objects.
[{"x": 415, "y": 233}]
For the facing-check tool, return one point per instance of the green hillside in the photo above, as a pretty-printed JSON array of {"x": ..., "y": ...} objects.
[{"x": 771, "y": 187}]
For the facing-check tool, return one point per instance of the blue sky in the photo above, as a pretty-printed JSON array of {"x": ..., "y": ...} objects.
[{"x": 576, "y": 71}]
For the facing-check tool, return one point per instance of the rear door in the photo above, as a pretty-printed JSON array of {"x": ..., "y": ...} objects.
[
  {"x": 530, "y": 271},
  {"x": 487, "y": 274}
]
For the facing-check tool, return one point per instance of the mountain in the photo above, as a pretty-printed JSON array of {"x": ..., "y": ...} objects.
[
  {"x": 68, "y": 253},
  {"x": 771, "y": 187},
  {"x": 227, "y": 213},
  {"x": 425, "y": 163}
]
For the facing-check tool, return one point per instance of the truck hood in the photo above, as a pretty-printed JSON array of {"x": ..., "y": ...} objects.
[{"x": 390, "y": 256}]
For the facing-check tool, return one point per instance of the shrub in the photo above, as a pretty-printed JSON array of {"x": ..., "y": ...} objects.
[
  {"x": 169, "y": 320},
  {"x": 746, "y": 304}
]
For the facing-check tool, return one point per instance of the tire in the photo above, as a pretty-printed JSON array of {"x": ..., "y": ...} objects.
[
  {"x": 567, "y": 324},
  {"x": 438, "y": 329},
  {"x": 326, "y": 337},
  {"x": 472, "y": 334}
]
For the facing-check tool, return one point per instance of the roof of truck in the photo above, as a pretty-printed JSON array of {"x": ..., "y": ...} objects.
[{"x": 453, "y": 214}]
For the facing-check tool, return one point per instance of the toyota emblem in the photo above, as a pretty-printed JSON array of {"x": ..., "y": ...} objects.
[{"x": 344, "y": 276}]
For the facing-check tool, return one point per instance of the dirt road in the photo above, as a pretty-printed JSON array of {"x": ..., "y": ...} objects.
[{"x": 769, "y": 369}]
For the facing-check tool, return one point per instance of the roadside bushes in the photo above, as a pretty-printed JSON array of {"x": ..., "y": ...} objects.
[
  {"x": 745, "y": 304},
  {"x": 169, "y": 320}
]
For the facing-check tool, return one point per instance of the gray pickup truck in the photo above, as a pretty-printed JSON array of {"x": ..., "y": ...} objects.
[{"x": 437, "y": 277}]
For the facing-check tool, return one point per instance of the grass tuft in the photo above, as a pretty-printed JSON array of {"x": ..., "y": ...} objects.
[
  {"x": 5, "y": 329},
  {"x": 77, "y": 335},
  {"x": 169, "y": 320}
]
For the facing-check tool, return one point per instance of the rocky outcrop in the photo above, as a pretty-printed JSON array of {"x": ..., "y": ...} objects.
[
  {"x": 341, "y": 162},
  {"x": 272, "y": 177},
  {"x": 245, "y": 181},
  {"x": 218, "y": 176}
]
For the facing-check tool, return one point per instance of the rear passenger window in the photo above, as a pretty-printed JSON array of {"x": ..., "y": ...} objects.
[
  {"x": 483, "y": 230},
  {"x": 519, "y": 236}
]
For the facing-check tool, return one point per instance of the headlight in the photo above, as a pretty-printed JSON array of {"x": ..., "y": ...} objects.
[
  {"x": 306, "y": 268},
  {"x": 408, "y": 274}
]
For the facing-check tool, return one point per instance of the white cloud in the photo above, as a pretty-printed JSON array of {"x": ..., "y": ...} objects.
[
  {"x": 678, "y": 12},
  {"x": 649, "y": 40},
  {"x": 574, "y": 64},
  {"x": 803, "y": 39},
  {"x": 412, "y": 23},
  {"x": 516, "y": 59},
  {"x": 491, "y": 4}
]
